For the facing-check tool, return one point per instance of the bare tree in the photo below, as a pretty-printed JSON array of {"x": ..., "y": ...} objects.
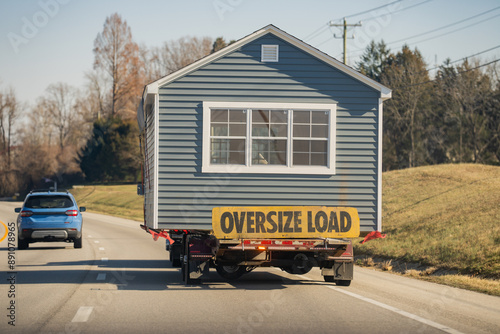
[
  {"x": 406, "y": 74},
  {"x": 60, "y": 104},
  {"x": 118, "y": 55},
  {"x": 9, "y": 112},
  {"x": 98, "y": 102},
  {"x": 174, "y": 55}
]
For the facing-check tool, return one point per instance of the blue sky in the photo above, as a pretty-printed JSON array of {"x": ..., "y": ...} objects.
[{"x": 50, "y": 41}]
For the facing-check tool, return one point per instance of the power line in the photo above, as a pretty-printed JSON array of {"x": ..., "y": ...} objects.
[
  {"x": 458, "y": 29},
  {"x": 444, "y": 34},
  {"x": 445, "y": 26},
  {"x": 458, "y": 73},
  {"x": 397, "y": 11},
  {"x": 463, "y": 58},
  {"x": 369, "y": 10},
  {"x": 322, "y": 28}
]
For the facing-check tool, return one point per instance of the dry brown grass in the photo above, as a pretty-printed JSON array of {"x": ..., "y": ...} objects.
[{"x": 444, "y": 216}]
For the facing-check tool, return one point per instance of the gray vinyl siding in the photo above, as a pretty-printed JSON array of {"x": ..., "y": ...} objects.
[
  {"x": 149, "y": 168},
  {"x": 186, "y": 196}
]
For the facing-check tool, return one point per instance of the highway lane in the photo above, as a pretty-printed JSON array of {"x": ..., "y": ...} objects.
[{"x": 120, "y": 281}]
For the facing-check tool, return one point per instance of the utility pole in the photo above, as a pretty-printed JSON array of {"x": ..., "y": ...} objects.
[{"x": 344, "y": 34}]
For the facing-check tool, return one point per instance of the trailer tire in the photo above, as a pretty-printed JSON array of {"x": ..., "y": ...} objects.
[
  {"x": 329, "y": 279},
  {"x": 175, "y": 255},
  {"x": 231, "y": 272},
  {"x": 343, "y": 282}
]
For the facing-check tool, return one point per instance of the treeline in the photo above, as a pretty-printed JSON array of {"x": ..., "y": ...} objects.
[
  {"x": 90, "y": 134},
  {"x": 452, "y": 118}
]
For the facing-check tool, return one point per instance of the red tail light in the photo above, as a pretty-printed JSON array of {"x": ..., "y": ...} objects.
[
  {"x": 26, "y": 213},
  {"x": 72, "y": 213}
]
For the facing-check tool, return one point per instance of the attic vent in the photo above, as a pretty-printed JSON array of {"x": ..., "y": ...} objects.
[{"x": 269, "y": 53}]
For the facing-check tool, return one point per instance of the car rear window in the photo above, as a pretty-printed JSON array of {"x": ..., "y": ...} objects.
[{"x": 46, "y": 202}]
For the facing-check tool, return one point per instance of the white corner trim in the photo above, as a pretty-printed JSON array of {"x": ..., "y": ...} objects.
[
  {"x": 379, "y": 167},
  {"x": 156, "y": 157}
]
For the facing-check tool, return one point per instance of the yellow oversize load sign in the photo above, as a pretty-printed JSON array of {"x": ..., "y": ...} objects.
[{"x": 285, "y": 222}]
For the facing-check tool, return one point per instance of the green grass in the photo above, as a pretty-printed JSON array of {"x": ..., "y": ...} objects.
[
  {"x": 446, "y": 216},
  {"x": 116, "y": 200}
]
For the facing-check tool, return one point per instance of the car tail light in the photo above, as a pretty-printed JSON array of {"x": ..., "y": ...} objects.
[
  {"x": 72, "y": 213},
  {"x": 26, "y": 213}
]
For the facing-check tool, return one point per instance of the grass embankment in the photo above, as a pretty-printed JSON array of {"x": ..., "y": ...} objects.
[
  {"x": 445, "y": 218},
  {"x": 117, "y": 200}
]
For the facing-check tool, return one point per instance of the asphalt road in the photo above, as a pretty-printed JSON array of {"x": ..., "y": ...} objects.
[{"x": 121, "y": 282}]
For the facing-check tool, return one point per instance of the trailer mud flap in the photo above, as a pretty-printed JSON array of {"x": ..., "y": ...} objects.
[{"x": 340, "y": 271}]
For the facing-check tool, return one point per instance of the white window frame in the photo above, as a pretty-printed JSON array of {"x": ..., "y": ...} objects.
[{"x": 289, "y": 168}]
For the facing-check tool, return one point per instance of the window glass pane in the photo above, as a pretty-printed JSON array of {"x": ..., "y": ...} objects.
[
  {"x": 320, "y": 117},
  {"x": 301, "y": 159},
  {"x": 260, "y": 130},
  {"x": 319, "y": 146},
  {"x": 219, "y": 115},
  {"x": 218, "y": 152},
  {"x": 237, "y": 145},
  {"x": 237, "y": 158},
  {"x": 237, "y": 116},
  {"x": 301, "y": 131},
  {"x": 219, "y": 130},
  {"x": 318, "y": 159},
  {"x": 279, "y": 130},
  {"x": 237, "y": 129},
  {"x": 301, "y": 116},
  {"x": 320, "y": 131},
  {"x": 277, "y": 158},
  {"x": 260, "y": 116},
  {"x": 265, "y": 152},
  {"x": 301, "y": 145},
  {"x": 279, "y": 116},
  {"x": 278, "y": 145}
]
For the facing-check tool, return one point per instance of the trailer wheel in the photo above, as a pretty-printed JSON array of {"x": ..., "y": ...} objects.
[
  {"x": 231, "y": 272},
  {"x": 175, "y": 255},
  {"x": 343, "y": 282},
  {"x": 329, "y": 279}
]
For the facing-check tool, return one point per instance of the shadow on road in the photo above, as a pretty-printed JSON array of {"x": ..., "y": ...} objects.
[{"x": 146, "y": 275}]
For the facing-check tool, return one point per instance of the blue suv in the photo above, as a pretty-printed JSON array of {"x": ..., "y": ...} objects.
[{"x": 49, "y": 216}]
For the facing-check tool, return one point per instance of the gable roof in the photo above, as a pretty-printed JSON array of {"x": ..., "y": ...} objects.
[{"x": 152, "y": 88}]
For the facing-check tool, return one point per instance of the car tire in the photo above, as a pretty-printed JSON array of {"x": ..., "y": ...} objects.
[
  {"x": 78, "y": 242},
  {"x": 22, "y": 244}
]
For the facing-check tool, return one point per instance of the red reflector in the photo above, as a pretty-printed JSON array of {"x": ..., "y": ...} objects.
[
  {"x": 266, "y": 242},
  {"x": 72, "y": 213},
  {"x": 26, "y": 213},
  {"x": 289, "y": 242},
  {"x": 246, "y": 242}
]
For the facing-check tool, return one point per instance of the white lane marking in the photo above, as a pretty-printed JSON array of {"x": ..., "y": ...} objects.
[
  {"x": 83, "y": 314},
  {"x": 104, "y": 259},
  {"x": 96, "y": 241},
  {"x": 101, "y": 277},
  {"x": 415, "y": 317},
  {"x": 89, "y": 236},
  {"x": 101, "y": 248}
]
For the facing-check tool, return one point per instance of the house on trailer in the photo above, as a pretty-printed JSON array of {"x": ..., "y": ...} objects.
[{"x": 266, "y": 121}]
